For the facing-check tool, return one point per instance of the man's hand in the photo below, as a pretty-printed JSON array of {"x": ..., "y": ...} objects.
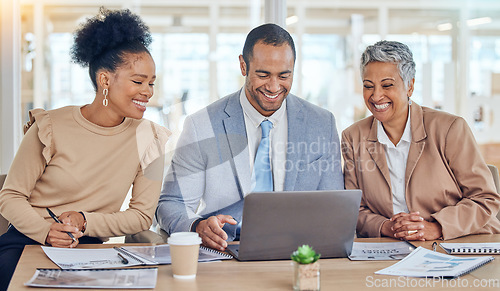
[{"x": 211, "y": 232}]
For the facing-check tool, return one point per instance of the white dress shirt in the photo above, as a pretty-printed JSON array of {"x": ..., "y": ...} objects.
[
  {"x": 396, "y": 157},
  {"x": 278, "y": 138}
]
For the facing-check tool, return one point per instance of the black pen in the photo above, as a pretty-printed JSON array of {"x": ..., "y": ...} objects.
[
  {"x": 124, "y": 260},
  {"x": 412, "y": 246},
  {"x": 58, "y": 221},
  {"x": 434, "y": 245}
]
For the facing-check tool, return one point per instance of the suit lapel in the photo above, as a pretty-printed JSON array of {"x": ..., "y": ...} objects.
[
  {"x": 417, "y": 142},
  {"x": 296, "y": 134},
  {"x": 235, "y": 132},
  {"x": 377, "y": 152}
]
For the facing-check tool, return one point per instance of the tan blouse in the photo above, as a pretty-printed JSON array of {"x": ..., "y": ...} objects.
[{"x": 67, "y": 163}]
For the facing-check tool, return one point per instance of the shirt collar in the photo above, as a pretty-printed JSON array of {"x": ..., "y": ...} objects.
[
  {"x": 255, "y": 117},
  {"x": 384, "y": 139}
]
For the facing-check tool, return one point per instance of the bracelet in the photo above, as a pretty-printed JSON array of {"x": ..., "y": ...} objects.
[{"x": 84, "y": 222}]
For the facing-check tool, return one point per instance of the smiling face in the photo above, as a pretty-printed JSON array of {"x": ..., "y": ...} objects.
[
  {"x": 269, "y": 77},
  {"x": 385, "y": 93},
  {"x": 131, "y": 86}
]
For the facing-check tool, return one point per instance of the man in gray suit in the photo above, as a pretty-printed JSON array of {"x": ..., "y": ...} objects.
[{"x": 215, "y": 165}]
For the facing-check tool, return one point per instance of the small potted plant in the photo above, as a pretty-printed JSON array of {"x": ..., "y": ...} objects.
[{"x": 306, "y": 269}]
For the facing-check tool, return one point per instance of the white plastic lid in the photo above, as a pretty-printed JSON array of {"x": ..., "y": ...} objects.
[{"x": 184, "y": 238}]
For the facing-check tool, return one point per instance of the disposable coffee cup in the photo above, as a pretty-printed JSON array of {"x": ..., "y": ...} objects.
[{"x": 184, "y": 250}]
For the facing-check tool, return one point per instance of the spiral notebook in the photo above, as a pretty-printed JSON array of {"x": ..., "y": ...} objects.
[
  {"x": 426, "y": 263},
  {"x": 120, "y": 257},
  {"x": 160, "y": 254},
  {"x": 471, "y": 248},
  {"x": 140, "y": 278}
]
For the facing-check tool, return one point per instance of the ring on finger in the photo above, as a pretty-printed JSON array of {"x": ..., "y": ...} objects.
[{"x": 410, "y": 232}]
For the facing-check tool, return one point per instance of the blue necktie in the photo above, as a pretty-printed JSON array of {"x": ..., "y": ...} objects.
[{"x": 262, "y": 166}]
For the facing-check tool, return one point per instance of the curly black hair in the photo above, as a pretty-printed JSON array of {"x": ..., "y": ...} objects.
[{"x": 103, "y": 40}]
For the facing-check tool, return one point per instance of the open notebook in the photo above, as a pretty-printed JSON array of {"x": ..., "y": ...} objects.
[
  {"x": 471, "y": 248},
  {"x": 104, "y": 258}
]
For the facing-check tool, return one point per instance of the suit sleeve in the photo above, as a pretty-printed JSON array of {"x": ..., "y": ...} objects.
[
  {"x": 369, "y": 223},
  {"x": 184, "y": 183},
  {"x": 480, "y": 202},
  {"x": 331, "y": 175}
]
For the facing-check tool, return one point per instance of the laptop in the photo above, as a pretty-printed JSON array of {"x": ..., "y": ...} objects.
[{"x": 276, "y": 223}]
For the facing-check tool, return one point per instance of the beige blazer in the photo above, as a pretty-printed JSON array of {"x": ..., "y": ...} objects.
[{"x": 446, "y": 177}]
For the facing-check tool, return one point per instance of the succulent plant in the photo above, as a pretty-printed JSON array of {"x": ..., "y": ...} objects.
[{"x": 305, "y": 255}]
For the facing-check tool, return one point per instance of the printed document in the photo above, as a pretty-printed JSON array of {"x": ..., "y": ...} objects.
[
  {"x": 426, "y": 263},
  {"x": 382, "y": 251},
  {"x": 142, "y": 278}
]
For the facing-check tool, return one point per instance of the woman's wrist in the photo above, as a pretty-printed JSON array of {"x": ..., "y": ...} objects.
[
  {"x": 84, "y": 227},
  {"x": 385, "y": 229},
  {"x": 436, "y": 231}
]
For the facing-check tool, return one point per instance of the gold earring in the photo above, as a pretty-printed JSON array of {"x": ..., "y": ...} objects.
[{"x": 105, "y": 101}]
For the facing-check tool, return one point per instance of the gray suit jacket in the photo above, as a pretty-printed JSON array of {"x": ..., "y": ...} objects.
[{"x": 210, "y": 170}]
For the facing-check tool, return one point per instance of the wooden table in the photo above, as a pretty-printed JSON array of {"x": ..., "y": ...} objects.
[{"x": 336, "y": 274}]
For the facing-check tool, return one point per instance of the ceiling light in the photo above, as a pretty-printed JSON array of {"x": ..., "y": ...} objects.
[
  {"x": 478, "y": 21},
  {"x": 444, "y": 26},
  {"x": 292, "y": 19}
]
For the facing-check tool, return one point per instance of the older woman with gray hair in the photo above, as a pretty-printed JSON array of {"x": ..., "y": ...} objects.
[{"x": 420, "y": 169}]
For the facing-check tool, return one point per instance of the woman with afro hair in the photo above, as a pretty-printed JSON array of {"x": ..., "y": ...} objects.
[{"x": 80, "y": 161}]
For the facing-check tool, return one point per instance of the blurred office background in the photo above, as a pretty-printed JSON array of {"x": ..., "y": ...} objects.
[{"x": 456, "y": 45}]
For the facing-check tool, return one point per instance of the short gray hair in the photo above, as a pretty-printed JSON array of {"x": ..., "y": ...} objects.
[{"x": 391, "y": 52}]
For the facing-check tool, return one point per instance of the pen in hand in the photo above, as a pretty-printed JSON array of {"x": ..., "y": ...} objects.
[{"x": 58, "y": 221}]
